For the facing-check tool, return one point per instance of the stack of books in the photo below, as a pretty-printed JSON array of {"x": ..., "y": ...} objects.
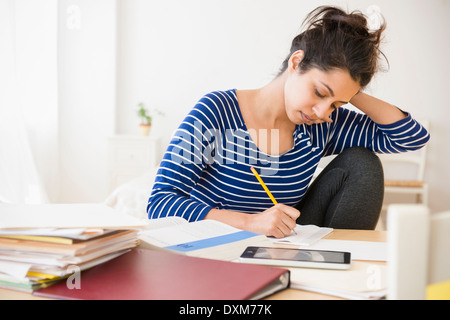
[{"x": 44, "y": 244}]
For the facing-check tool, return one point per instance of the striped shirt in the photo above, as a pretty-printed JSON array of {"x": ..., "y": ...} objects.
[{"x": 207, "y": 163}]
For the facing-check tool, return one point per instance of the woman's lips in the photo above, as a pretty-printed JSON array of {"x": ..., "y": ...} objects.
[{"x": 305, "y": 118}]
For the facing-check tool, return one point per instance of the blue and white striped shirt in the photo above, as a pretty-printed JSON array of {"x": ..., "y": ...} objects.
[{"x": 207, "y": 164}]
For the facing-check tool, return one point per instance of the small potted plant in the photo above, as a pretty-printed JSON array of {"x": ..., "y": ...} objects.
[{"x": 145, "y": 119}]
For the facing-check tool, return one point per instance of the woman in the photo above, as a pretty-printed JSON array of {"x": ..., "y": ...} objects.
[{"x": 282, "y": 130}]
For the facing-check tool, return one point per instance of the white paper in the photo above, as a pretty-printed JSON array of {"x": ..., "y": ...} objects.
[
  {"x": 360, "y": 250},
  {"x": 72, "y": 233},
  {"x": 31, "y": 258},
  {"x": 15, "y": 269},
  {"x": 363, "y": 281},
  {"x": 43, "y": 232},
  {"x": 183, "y": 233},
  {"x": 65, "y": 216},
  {"x": 164, "y": 222},
  {"x": 305, "y": 235}
]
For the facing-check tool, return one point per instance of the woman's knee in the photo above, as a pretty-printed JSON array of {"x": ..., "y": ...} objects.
[
  {"x": 362, "y": 159},
  {"x": 364, "y": 171},
  {"x": 364, "y": 189},
  {"x": 361, "y": 153}
]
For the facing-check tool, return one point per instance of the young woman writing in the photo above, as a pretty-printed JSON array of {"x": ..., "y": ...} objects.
[{"x": 283, "y": 130}]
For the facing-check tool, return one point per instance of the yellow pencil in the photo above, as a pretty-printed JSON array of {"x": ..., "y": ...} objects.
[
  {"x": 263, "y": 185},
  {"x": 265, "y": 188}
]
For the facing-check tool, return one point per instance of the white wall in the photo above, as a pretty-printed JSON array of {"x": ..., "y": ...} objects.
[
  {"x": 28, "y": 84},
  {"x": 172, "y": 52},
  {"x": 86, "y": 77},
  {"x": 418, "y": 47}
]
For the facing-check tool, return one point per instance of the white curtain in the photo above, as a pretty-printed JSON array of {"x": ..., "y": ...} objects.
[{"x": 28, "y": 96}]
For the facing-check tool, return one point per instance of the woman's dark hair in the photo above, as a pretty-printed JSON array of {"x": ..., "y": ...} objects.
[{"x": 334, "y": 39}]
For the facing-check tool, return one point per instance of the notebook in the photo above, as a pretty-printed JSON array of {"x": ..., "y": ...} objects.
[{"x": 159, "y": 275}]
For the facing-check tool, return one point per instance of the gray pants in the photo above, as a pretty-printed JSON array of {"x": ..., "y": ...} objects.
[{"x": 348, "y": 193}]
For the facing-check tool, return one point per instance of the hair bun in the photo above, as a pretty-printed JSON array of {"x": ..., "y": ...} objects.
[
  {"x": 335, "y": 39},
  {"x": 331, "y": 18}
]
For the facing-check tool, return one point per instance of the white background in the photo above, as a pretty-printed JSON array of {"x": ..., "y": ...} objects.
[{"x": 113, "y": 54}]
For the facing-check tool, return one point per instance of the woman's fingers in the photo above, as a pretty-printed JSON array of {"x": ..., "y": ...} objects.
[{"x": 284, "y": 220}]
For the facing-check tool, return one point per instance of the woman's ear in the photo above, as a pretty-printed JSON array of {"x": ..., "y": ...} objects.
[{"x": 295, "y": 59}]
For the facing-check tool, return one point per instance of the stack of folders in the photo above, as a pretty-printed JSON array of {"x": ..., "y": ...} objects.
[{"x": 43, "y": 244}]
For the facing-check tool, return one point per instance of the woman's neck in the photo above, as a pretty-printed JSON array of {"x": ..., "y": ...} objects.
[
  {"x": 265, "y": 116},
  {"x": 268, "y": 104}
]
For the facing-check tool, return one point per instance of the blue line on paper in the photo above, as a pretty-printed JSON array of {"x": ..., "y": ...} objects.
[{"x": 211, "y": 242}]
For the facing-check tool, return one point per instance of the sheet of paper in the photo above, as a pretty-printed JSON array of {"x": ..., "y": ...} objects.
[
  {"x": 31, "y": 258},
  {"x": 363, "y": 281},
  {"x": 65, "y": 216},
  {"x": 164, "y": 222},
  {"x": 305, "y": 235},
  {"x": 54, "y": 232},
  {"x": 15, "y": 269},
  {"x": 184, "y": 233},
  {"x": 360, "y": 250}
]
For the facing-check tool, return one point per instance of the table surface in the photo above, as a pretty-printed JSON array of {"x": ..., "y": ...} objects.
[
  {"x": 337, "y": 234},
  {"x": 288, "y": 294}
]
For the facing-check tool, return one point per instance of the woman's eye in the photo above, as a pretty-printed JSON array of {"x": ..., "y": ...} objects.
[
  {"x": 318, "y": 93},
  {"x": 321, "y": 96}
]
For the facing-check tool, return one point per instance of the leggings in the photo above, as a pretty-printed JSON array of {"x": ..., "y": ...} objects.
[{"x": 348, "y": 193}]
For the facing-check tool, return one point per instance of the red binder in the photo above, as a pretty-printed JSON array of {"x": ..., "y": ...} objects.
[{"x": 159, "y": 275}]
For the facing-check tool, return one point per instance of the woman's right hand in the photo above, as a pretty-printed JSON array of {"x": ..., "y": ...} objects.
[{"x": 277, "y": 221}]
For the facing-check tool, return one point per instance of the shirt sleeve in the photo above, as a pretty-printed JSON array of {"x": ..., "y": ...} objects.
[
  {"x": 187, "y": 155},
  {"x": 350, "y": 128}
]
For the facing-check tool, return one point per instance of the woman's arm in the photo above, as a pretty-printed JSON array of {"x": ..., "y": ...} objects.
[
  {"x": 182, "y": 167},
  {"x": 277, "y": 221},
  {"x": 380, "y": 127},
  {"x": 379, "y": 111}
]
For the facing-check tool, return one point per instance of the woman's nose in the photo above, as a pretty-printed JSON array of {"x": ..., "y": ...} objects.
[{"x": 322, "y": 111}]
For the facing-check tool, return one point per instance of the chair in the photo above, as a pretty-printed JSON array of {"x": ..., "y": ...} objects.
[
  {"x": 412, "y": 163},
  {"x": 418, "y": 251}
]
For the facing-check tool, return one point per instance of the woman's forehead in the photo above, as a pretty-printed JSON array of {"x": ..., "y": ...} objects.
[{"x": 337, "y": 82}]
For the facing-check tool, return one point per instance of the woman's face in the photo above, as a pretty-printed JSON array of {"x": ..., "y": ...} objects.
[{"x": 312, "y": 96}]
